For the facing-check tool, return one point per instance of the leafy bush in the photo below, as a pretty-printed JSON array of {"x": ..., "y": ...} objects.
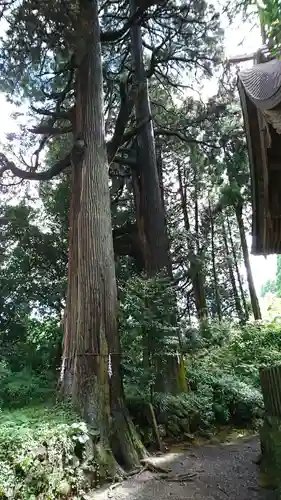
[
  {"x": 33, "y": 343},
  {"x": 177, "y": 415},
  {"x": 234, "y": 401},
  {"x": 43, "y": 455},
  {"x": 227, "y": 360},
  {"x": 25, "y": 387},
  {"x": 194, "y": 407},
  {"x": 243, "y": 350}
]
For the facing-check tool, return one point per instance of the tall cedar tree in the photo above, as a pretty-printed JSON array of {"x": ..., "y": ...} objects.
[{"x": 90, "y": 373}]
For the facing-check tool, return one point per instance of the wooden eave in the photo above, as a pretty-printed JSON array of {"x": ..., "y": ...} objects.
[{"x": 264, "y": 155}]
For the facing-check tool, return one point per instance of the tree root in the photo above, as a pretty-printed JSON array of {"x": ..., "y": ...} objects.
[
  {"x": 180, "y": 478},
  {"x": 163, "y": 473},
  {"x": 151, "y": 467},
  {"x": 127, "y": 475}
]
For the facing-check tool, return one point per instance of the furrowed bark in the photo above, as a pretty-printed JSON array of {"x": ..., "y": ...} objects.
[
  {"x": 151, "y": 217},
  {"x": 91, "y": 358}
]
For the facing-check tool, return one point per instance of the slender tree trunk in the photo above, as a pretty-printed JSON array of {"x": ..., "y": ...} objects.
[
  {"x": 91, "y": 374},
  {"x": 188, "y": 308},
  {"x": 236, "y": 297},
  {"x": 159, "y": 163},
  {"x": 198, "y": 283},
  {"x": 251, "y": 285},
  {"x": 196, "y": 210},
  {"x": 196, "y": 275},
  {"x": 233, "y": 251},
  {"x": 183, "y": 196},
  {"x": 216, "y": 284},
  {"x": 152, "y": 214}
]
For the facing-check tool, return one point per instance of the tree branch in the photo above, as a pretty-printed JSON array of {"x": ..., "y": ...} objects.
[
  {"x": 126, "y": 108},
  {"x": 130, "y": 162},
  {"x": 239, "y": 59},
  {"x": 7, "y": 165},
  {"x": 57, "y": 115},
  {"x": 48, "y": 130},
  {"x": 113, "y": 36},
  {"x": 174, "y": 133},
  {"x": 60, "y": 99},
  {"x": 135, "y": 18},
  {"x": 131, "y": 133}
]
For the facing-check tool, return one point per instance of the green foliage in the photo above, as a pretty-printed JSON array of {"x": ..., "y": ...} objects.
[
  {"x": 243, "y": 350},
  {"x": 30, "y": 357},
  {"x": 235, "y": 401},
  {"x": 176, "y": 415},
  {"x": 196, "y": 407},
  {"x": 231, "y": 193},
  {"x": 33, "y": 264},
  {"x": 31, "y": 346},
  {"x": 268, "y": 287},
  {"x": 147, "y": 309},
  {"x": 24, "y": 387},
  {"x": 222, "y": 370},
  {"x": 227, "y": 360},
  {"x": 43, "y": 455},
  {"x": 270, "y": 16}
]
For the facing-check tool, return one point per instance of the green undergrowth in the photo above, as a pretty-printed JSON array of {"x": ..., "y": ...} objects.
[
  {"x": 45, "y": 454},
  {"x": 199, "y": 412},
  {"x": 222, "y": 364}
]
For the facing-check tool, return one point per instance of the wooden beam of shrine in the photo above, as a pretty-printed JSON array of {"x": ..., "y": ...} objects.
[{"x": 242, "y": 58}]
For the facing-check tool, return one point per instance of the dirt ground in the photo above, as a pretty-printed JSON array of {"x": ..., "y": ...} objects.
[{"x": 217, "y": 472}]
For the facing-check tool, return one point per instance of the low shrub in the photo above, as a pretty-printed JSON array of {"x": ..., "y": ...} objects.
[
  {"x": 235, "y": 401},
  {"x": 176, "y": 415},
  {"x": 44, "y": 455}
]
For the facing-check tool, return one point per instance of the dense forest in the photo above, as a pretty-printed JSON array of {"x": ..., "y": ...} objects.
[{"x": 128, "y": 311}]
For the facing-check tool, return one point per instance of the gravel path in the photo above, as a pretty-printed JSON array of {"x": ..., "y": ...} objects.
[{"x": 221, "y": 471}]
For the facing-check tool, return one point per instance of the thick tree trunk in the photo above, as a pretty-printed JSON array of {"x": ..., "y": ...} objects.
[
  {"x": 91, "y": 358},
  {"x": 233, "y": 251},
  {"x": 236, "y": 297},
  {"x": 151, "y": 215},
  {"x": 70, "y": 316},
  {"x": 216, "y": 284},
  {"x": 251, "y": 285}
]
